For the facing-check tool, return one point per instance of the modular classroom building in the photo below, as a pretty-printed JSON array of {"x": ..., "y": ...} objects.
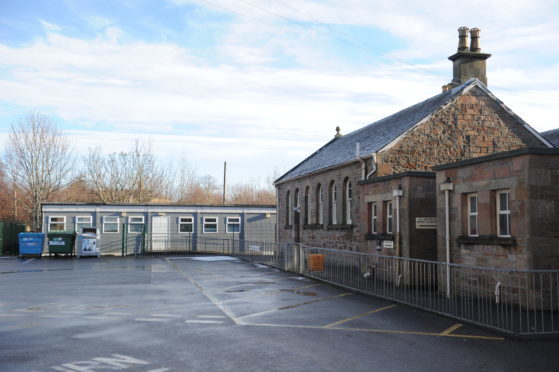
[{"x": 161, "y": 226}]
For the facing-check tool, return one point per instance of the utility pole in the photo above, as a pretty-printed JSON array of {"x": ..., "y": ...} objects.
[{"x": 224, "y": 179}]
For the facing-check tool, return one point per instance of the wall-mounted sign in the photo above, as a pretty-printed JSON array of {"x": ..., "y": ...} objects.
[
  {"x": 388, "y": 244},
  {"x": 426, "y": 223}
]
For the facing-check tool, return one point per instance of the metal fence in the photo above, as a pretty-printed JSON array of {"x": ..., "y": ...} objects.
[{"x": 515, "y": 302}]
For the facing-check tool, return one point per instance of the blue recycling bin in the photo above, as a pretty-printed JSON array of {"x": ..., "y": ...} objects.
[{"x": 31, "y": 244}]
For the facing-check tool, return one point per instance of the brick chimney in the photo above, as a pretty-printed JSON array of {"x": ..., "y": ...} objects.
[{"x": 467, "y": 62}]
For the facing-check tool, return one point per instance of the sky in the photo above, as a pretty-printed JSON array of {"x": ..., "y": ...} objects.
[{"x": 260, "y": 84}]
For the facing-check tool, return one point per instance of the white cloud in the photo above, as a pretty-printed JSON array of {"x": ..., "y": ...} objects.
[
  {"x": 275, "y": 91},
  {"x": 49, "y": 26}
]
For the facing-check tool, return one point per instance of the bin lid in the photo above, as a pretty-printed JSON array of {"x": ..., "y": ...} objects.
[
  {"x": 31, "y": 234},
  {"x": 89, "y": 235},
  {"x": 61, "y": 233}
]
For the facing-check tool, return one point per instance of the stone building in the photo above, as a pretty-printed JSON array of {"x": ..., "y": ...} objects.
[
  {"x": 503, "y": 210},
  {"x": 381, "y": 172}
]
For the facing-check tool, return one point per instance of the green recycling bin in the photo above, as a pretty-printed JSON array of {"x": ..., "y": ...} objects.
[{"x": 61, "y": 242}]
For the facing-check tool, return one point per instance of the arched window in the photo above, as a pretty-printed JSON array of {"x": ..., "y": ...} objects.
[
  {"x": 347, "y": 201},
  {"x": 319, "y": 205},
  {"x": 333, "y": 201},
  {"x": 307, "y": 206},
  {"x": 288, "y": 208}
]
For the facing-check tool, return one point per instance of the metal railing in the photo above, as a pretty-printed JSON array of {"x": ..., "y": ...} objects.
[{"x": 515, "y": 302}]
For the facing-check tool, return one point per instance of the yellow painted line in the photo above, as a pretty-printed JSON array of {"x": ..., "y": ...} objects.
[
  {"x": 293, "y": 306},
  {"x": 333, "y": 324},
  {"x": 477, "y": 337},
  {"x": 388, "y": 331},
  {"x": 451, "y": 329}
]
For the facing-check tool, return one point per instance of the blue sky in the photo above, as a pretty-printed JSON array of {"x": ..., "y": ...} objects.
[{"x": 260, "y": 84}]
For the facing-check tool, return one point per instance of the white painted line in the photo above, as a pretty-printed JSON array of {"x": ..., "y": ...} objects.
[
  {"x": 204, "y": 321},
  {"x": 30, "y": 260},
  {"x": 53, "y": 316},
  {"x": 116, "y": 313},
  {"x": 11, "y": 315},
  {"x": 159, "y": 370},
  {"x": 151, "y": 320},
  {"x": 165, "y": 315},
  {"x": 212, "y": 316}
]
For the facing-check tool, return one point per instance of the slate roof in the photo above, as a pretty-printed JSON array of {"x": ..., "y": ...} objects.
[
  {"x": 552, "y": 136},
  {"x": 375, "y": 136}
]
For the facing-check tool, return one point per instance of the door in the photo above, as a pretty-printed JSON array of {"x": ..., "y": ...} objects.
[{"x": 160, "y": 239}]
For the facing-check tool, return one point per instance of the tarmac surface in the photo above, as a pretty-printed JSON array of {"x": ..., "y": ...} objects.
[{"x": 225, "y": 314}]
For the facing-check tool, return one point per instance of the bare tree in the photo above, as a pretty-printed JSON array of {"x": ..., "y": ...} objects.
[
  {"x": 38, "y": 162},
  {"x": 126, "y": 177}
]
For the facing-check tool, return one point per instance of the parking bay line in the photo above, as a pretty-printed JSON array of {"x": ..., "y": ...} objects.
[
  {"x": 333, "y": 324},
  {"x": 388, "y": 331},
  {"x": 293, "y": 306},
  {"x": 449, "y": 330}
]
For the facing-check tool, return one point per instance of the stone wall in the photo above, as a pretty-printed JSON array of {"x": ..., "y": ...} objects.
[
  {"x": 473, "y": 125},
  {"x": 533, "y": 182},
  {"x": 417, "y": 201},
  {"x": 341, "y": 235}
]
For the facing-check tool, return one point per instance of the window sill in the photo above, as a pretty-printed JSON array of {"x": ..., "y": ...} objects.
[
  {"x": 314, "y": 226},
  {"x": 379, "y": 236},
  {"x": 340, "y": 227},
  {"x": 486, "y": 240}
]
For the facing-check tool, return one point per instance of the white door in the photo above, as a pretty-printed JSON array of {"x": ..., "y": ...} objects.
[{"x": 160, "y": 233}]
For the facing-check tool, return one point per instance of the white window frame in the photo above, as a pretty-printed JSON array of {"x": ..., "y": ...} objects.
[
  {"x": 51, "y": 222},
  {"x": 320, "y": 205},
  {"x": 348, "y": 192},
  {"x": 105, "y": 222},
  {"x": 333, "y": 208},
  {"x": 473, "y": 214},
  {"x": 374, "y": 218},
  {"x": 205, "y": 221},
  {"x": 130, "y": 223},
  {"x": 505, "y": 212},
  {"x": 83, "y": 224},
  {"x": 228, "y": 219},
  {"x": 389, "y": 217},
  {"x": 186, "y": 223}
]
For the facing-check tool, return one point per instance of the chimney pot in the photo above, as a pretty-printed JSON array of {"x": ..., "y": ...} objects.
[
  {"x": 474, "y": 46},
  {"x": 463, "y": 39}
]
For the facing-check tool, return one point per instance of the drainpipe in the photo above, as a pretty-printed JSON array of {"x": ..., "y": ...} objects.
[
  {"x": 358, "y": 156},
  {"x": 373, "y": 167},
  {"x": 447, "y": 186},
  {"x": 398, "y": 194}
]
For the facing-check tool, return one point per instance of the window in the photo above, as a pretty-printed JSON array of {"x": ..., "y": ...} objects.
[
  {"x": 503, "y": 213},
  {"x": 135, "y": 224},
  {"x": 233, "y": 225},
  {"x": 472, "y": 215},
  {"x": 347, "y": 202},
  {"x": 110, "y": 224},
  {"x": 319, "y": 205},
  {"x": 307, "y": 206},
  {"x": 210, "y": 225},
  {"x": 296, "y": 206},
  {"x": 186, "y": 224},
  {"x": 374, "y": 218},
  {"x": 83, "y": 221},
  {"x": 57, "y": 224},
  {"x": 288, "y": 208},
  {"x": 333, "y": 200},
  {"x": 389, "y": 219}
]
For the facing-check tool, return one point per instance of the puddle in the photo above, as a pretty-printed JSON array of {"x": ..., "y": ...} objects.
[
  {"x": 213, "y": 258},
  {"x": 302, "y": 293}
]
